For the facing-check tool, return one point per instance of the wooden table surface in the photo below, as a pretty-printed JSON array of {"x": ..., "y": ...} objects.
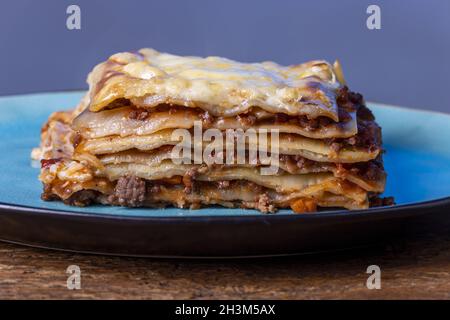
[{"x": 415, "y": 266}]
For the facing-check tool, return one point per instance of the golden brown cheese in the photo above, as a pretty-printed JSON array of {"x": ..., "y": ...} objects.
[{"x": 221, "y": 86}]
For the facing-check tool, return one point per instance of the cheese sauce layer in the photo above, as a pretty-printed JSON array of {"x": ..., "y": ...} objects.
[{"x": 221, "y": 86}]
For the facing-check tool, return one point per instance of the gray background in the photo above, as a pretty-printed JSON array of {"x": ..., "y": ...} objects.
[{"x": 405, "y": 63}]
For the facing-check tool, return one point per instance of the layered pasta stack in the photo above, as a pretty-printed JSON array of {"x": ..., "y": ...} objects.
[{"x": 117, "y": 146}]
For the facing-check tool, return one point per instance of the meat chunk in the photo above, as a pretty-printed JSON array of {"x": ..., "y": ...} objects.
[
  {"x": 377, "y": 201},
  {"x": 264, "y": 204},
  {"x": 139, "y": 114},
  {"x": 247, "y": 120},
  {"x": 348, "y": 100},
  {"x": 48, "y": 162},
  {"x": 224, "y": 184},
  {"x": 367, "y": 138},
  {"x": 188, "y": 180},
  {"x": 130, "y": 191},
  {"x": 207, "y": 119},
  {"x": 82, "y": 198}
]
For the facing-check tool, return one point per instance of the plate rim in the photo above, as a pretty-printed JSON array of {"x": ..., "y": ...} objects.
[{"x": 347, "y": 214}]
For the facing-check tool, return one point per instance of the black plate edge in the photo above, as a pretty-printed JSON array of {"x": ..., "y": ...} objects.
[
  {"x": 336, "y": 217},
  {"x": 345, "y": 214}
]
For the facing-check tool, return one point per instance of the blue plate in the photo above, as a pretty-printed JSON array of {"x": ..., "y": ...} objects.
[{"x": 417, "y": 162}]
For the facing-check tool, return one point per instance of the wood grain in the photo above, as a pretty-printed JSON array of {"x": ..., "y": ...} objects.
[{"x": 416, "y": 266}]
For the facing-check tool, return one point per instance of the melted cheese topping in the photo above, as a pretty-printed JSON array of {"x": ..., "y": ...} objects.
[{"x": 222, "y": 86}]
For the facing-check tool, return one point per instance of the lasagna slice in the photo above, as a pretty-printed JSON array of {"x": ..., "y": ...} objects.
[{"x": 118, "y": 146}]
